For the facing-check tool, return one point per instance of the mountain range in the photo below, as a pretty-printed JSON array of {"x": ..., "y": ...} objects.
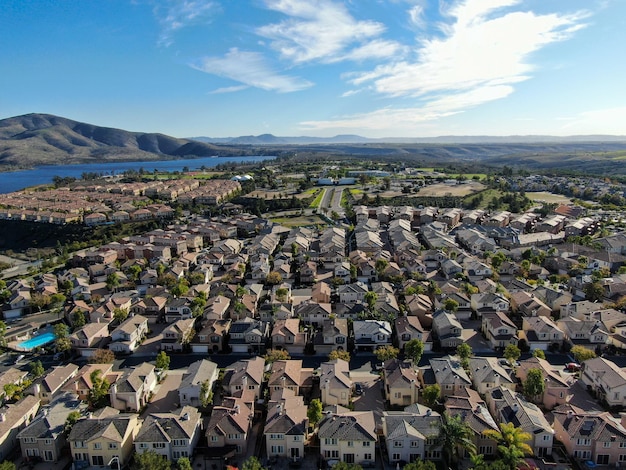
[{"x": 43, "y": 139}]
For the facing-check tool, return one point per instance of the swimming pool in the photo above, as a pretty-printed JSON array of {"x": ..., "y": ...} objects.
[{"x": 37, "y": 341}]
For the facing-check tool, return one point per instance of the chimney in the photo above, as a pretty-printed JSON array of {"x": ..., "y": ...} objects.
[{"x": 515, "y": 407}]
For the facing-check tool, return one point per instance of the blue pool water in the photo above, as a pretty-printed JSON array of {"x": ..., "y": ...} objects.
[{"x": 37, "y": 341}]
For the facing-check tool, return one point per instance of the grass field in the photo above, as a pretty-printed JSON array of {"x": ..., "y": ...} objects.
[
  {"x": 544, "y": 196},
  {"x": 318, "y": 199},
  {"x": 299, "y": 221}
]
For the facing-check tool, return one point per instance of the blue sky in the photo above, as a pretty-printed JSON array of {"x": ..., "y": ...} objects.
[{"x": 377, "y": 68}]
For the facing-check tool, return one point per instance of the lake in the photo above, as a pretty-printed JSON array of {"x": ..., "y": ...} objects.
[{"x": 16, "y": 180}]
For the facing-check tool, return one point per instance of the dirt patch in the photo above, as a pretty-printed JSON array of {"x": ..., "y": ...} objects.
[{"x": 444, "y": 189}]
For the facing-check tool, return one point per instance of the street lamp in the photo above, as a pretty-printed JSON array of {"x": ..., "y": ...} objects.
[{"x": 115, "y": 459}]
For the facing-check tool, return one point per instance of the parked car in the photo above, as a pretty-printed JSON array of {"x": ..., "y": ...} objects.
[
  {"x": 572, "y": 367},
  {"x": 358, "y": 389}
]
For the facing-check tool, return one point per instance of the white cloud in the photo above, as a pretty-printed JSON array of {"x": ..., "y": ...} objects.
[
  {"x": 174, "y": 15},
  {"x": 485, "y": 48},
  {"x": 323, "y": 30},
  {"x": 229, "y": 89},
  {"x": 250, "y": 68},
  {"x": 597, "y": 121}
]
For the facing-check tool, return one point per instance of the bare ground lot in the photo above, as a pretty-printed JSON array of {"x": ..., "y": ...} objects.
[
  {"x": 544, "y": 196},
  {"x": 443, "y": 189}
]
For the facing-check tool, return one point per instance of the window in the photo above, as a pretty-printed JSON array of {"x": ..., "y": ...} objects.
[
  {"x": 547, "y": 437},
  {"x": 602, "y": 459},
  {"x": 112, "y": 445},
  {"x": 582, "y": 454},
  {"x": 330, "y": 442},
  {"x": 158, "y": 445},
  {"x": 350, "y": 443},
  {"x": 367, "y": 456},
  {"x": 297, "y": 438},
  {"x": 622, "y": 458},
  {"x": 97, "y": 460},
  {"x": 97, "y": 445},
  {"x": 606, "y": 445},
  {"x": 622, "y": 444},
  {"x": 48, "y": 442},
  {"x": 366, "y": 443},
  {"x": 415, "y": 444},
  {"x": 277, "y": 449},
  {"x": 340, "y": 340},
  {"x": 183, "y": 442},
  {"x": 485, "y": 450},
  {"x": 143, "y": 445},
  {"x": 250, "y": 387},
  {"x": 397, "y": 443},
  {"x": 79, "y": 444},
  {"x": 214, "y": 438},
  {"x": 395, "y": 457},
  {"x": 433, "y": 454},
  {"x": 32, "y": 452},
  {"x": 276, "y": 436},
  {"x": 583, "y": 442}
]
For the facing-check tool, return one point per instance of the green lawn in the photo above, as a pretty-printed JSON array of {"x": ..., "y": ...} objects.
[{"x": 318, "y": 199}]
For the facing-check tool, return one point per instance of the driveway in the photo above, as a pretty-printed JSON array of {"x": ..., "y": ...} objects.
[
  {"x": 372, "y": 398},
  {"x": 165, "y": 396}
]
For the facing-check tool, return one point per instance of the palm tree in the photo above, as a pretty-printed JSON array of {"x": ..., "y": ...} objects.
[
  {"x": 512, "y": 444},
  {"x": 454, "y": 434}
]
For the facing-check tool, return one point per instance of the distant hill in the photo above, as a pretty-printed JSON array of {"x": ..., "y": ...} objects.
[
  {"x": 39, "y": 139},
  {"x": 269, "y": 139}
]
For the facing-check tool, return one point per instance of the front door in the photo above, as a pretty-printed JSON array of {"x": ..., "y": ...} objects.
[{"x": 295, "y": 453}]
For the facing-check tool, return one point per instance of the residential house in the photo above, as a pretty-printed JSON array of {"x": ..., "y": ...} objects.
[
  {"x": 15, "y": 417},
  {"x": 499, "y": 330},
  {"x": 591, "y": 436},
  {"x": 528, "y": 305},
  {"x": 244, "y": 375},
  {"x": 308, "y": 272},
  {"x": 50, "y": 385},
  {"x": 133, "y": 388},
  {"x": 286, "y": 335},
  {"x": 410, "y": 436},
  {"x": 332, "y": 335},
  {"x": 88, "y": 338},
  {"x": 351, "y": 293},
  {"x": 229, "y": 427},
  {"x": 606, "y": 380},
  {"x": 487, "y": 373},
  {"x": 401, "y": 382},
  {"x": 249, "y": 335},
  {"x": 587, "y": 332},
  {"x": 349, "y": 437},
  {"x": 558, "y": 386},
  {"x": 449, "y": 375},
  {"x": 216, "y": 308},
  {"x": 488, "y": 302},
  {"x": 371, "y": 334},
  {"x": 313, "y": 313},
  {"x": 408, "y": 328},
  {"x": 212, "y": 337},
  {"x": 172, "y": 434},
  {"x": 178, "y": 309},
  {"x": 178, "y": 335},
  {"x": 472, "y": 409},
  {"x": 82, "y": 385},
  {"x": 541, "y": 333},
  {"x": 420, "y": 306},
  {"x": 98, "y": 442},
  {"x": 335, "y": 382},
  {"x": 286, "y": 425},
  {"x": 290, "y": 374},
  {"x": 129, "y": 334},
  {"x": 45, "y": 438},
  {"x": 447, "y": 329},
  {"x": 197, "y": 382},
  {"x": 507, "y": 406}
]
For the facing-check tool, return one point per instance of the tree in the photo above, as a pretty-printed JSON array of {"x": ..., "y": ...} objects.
[
  {"x": 347, "y": 466},
  {"x": 102, "y": 356},
  {"x": 582, "y": 353},
  {"x": 539, "y": 353},
  {"x": 162, "y": 361},
  {"x": 534, "y": 385},
  {"x": 36, "y": 369},
  {"x": 113, "y": 280},
  {"x": 3, "y": 333},
  {"x": 464, "y": 351},
  {"x": 431, "y": 394},
  {"x": 70, "y": 421},
  {"x": 281, "y": 294},
  {"x": 252, "y": 463},
  {"x": 593, "y": 291},
  {"x": 421, "y": 465},
  {"x": 454, "y": 434},
  {"x": 99, "y": 390},
  {"x": 150, "y": 460},
  {"x": 339, "y": 354},
  {"x": 7, "y": 465},
  {"x": 371, "y": 298},
  {"x": 183, "y": 463},
  {"x": 273, "y": 278},
  {"x": 414, "y": 349},
  {"x": 314, "y": 412},
  {"x": 512, "y": 444},
  {"x": 384, "y": 353},
  {"x": 78, "y": 320},
  {"x": 206, "y": 394},
  {"x": 39, "y": 301},
  {"x": 180, "y": 288},
  {"x": 276, "y": 355},
  {"x": 120, "y": 314},
  {"x": 512, "y": 353},
  {"x": 451, "y": 305},
  {"x": 61, "y": 332}
]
